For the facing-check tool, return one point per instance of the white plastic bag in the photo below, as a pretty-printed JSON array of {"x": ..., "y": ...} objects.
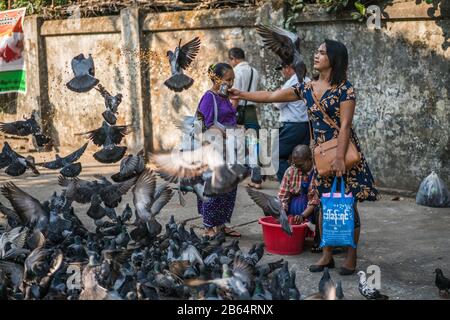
[{"x": 433, "y": 192}]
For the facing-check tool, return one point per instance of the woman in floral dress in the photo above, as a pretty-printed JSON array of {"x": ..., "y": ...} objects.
[{"x": 337, "y": 97}]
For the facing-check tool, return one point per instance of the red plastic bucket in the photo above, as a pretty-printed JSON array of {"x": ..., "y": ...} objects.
[{"x": 279, "y": 242}]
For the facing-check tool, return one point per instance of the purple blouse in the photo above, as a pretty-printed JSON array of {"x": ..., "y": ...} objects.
[{"x": 226, "y": 111}]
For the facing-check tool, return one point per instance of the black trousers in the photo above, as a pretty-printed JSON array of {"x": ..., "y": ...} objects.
[{"x": 291, "y": 135}]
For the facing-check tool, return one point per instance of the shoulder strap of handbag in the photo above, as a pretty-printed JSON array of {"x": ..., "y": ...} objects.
[
  {"x": 327, "y": 118},
  {"x": 249, "y": 84},
  {"x": 216, "y": 111}
]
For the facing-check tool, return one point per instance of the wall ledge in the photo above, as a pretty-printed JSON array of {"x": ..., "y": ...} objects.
[
  {"x": 398, "y": 10},
  {"x": 200, "y": 19},
  {"x": 106, "y": 24}
]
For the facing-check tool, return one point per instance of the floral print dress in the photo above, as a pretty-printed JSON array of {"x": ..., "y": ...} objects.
[{"x": 358, "y": 179}]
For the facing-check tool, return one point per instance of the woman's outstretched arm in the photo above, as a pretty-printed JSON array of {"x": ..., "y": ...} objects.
[{"x": 283, "y": 95}]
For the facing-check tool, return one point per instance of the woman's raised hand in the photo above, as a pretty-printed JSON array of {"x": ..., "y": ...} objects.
[{"x": 235, "y": 94}]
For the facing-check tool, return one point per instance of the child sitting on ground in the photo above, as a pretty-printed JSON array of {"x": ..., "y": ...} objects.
[{"x": 298, "y": 194}]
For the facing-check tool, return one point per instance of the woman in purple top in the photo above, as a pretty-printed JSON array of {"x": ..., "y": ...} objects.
[{"x": 217, "y": 210}]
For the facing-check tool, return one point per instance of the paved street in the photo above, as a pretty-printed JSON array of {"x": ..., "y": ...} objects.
[{"x": 405, "y": 240}]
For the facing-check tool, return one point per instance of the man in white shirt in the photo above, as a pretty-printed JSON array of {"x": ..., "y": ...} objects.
[
  {"x": 246, "y": 78},
  {"x": 294, "y": 119}
]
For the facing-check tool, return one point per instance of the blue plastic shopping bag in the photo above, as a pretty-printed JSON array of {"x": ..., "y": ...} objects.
[{"x": 338, "y": 218}]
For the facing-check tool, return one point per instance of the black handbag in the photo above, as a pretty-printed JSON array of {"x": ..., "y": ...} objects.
[{"x": 240, "y": 114}]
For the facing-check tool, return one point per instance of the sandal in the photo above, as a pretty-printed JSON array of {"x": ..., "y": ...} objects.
[
  {"x": 209, "y": 232},
  {"x": 254, "y": 186},
  {"x": 231, "y": 233}
]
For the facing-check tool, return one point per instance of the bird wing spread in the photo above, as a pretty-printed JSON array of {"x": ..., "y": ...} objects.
[
  {"x": 279, "y": 41},
  {"x": 53, "y": 165},
  {"x": 189, "y": 164},
  {"x": 188, "y": 52},
  {"x": 128, "y": 164},
  {"x": 162, "y": 200},
  {"x": 74, "y": 156},
  {"x": 264, "y": 201},
  {"x": 27, "y": 207},
  {"x": 15, "y": 128}
]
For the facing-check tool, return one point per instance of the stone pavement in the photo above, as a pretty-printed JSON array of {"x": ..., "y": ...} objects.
[{"x": 406, "y": 241}]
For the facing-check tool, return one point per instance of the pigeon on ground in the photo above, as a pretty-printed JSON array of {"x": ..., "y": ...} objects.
[
  {"x": 238, "y": 281},
  {"x": 293, "y": 292},
  {"x": 442, "y": 283},
  {"x": 76, "y": 251},
  {"x": 12, "y": 243},
  {"x": 96, "y": 211},
  {"x": 327, "y": 288},
  {"x": 92, "y": 290},
  {"x": 180, "y": 60},
  {"x": 260, "y": 293},
  {"x": 84, "y": 74},
  {"x": 266, "y": 269},
  {"x": 286, "y": 45},
  {"x": 79, "y": 190},
  {"x": 66, "y": 164},
  {"x": 111, "y": 194},
  {"x": 367, "y": 291},
  {"x": 325, "y": 283},
  {"x": 42, "y": 263},
  {"x": 14, "y": 272},
  {"x": 339, "y": 291}
]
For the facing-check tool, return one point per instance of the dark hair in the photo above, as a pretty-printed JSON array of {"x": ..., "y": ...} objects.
[
  {"x": 338, "y": 56},
  {"x": 218, "y": 70},
  {"x": 302, "y": 152},
  {"x": 237, "y": 53}
]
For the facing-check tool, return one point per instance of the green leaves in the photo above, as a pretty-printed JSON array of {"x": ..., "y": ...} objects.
[
  {"x": 361, "y": 8},
  {"x": 33, "y": 6},
  {"x": 295, "y": 7}
]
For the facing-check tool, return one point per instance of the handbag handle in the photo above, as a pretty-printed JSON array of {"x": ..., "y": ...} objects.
[{"x": 333, "y": 187}]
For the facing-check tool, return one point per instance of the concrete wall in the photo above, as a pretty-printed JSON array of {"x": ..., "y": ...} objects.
[{"x": 400, "y": 73}]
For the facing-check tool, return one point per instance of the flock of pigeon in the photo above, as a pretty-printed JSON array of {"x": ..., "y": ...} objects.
[{"x": 47, "y": 253}]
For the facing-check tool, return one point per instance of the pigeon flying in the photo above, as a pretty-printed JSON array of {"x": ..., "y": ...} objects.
[
  {"x": 286, "y": 45},
  {"x": 84, "y": 71},
  {"x": 179, "y": 61},
  {"x": 68, "y": 168}
]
